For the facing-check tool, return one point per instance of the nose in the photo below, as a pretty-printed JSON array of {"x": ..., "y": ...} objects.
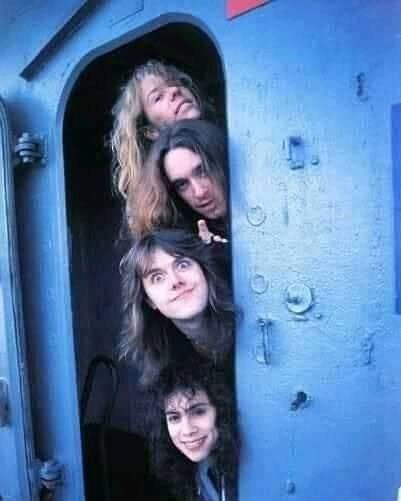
[
  {"x": 188, "y": 428},
  {"x": 199, "y": 188},
  {"x": 174, "y": 92},
  {"x": 175, "y": 279}
]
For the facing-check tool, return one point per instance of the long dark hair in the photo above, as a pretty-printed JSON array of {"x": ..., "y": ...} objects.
[
  {"x": 153, "y": 202},
  {"x": 169, "y": 463},
  {"x": 146, "y": 335}
]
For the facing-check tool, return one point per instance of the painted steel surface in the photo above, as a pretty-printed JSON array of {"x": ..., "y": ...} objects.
[
  {"x": 327, "y": 74},
  {"x": 16, "y": 440}
]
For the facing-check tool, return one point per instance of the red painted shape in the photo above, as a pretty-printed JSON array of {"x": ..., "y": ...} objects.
[{"x": 236, "y": 7}]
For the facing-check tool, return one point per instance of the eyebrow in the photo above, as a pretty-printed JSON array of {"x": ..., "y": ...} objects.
[{"x": 150, "y": 271}]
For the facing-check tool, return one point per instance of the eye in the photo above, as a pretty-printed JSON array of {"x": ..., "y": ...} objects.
[
  {"x": 183, "y": 264},
  {"x": 199, "y": 411},
  {"x": 156, "y": 97},
  {"x": 156, "y": 278},
  {"x": 173, "y": 418},
  {"x": 181, "y": 186}
]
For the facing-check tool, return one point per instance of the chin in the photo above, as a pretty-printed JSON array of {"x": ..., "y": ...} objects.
[{"x": 192, "y": 114}]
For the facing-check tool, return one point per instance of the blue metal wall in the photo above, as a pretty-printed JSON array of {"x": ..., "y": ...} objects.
[{"x": 328, "y": 73}]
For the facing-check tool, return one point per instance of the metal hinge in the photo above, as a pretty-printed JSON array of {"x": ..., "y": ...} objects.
[
  {"x": 50, "y": 474},
  {"x": 30, "y": 149}
]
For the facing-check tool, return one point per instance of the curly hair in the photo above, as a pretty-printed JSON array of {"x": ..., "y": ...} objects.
[
  {"x": 147, "y": 335},
  {"x": 189, "y": 378},
  {"x": 128, "y": 139},
  {"x": 152, "y": 202}
]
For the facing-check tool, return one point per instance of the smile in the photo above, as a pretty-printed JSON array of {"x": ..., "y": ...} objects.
[
  {"x": 182, "y": 294},
  {"x": 195, "y": 444}
]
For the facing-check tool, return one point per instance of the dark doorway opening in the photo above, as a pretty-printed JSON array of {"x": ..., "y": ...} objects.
[{"x": 94, "y": 212}]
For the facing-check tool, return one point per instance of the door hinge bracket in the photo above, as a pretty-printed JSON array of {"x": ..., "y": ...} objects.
[
  {"x": 30, "y": 150},
  {"x": 50, "y": 476}
]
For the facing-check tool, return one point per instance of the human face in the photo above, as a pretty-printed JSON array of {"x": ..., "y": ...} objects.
[
  {"x": 164, "y": 103},
  {"x": 176, "y": 286},
  {"x": 186, "y": 172},
  {"x": 191, "y": 424}
]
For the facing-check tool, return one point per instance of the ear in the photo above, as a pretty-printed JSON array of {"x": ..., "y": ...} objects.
[{"x": 151, "y": 133}]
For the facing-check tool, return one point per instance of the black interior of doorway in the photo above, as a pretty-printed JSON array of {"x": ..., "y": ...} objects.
[{"x": 94, "y": 213}]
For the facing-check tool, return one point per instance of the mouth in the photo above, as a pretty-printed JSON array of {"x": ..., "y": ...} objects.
[
  {"x": 184, "y": 102},
  {"x": 209, "y": 205},
  {"x": 182, "y": 294},
  {"x": 195, "y": 444}
]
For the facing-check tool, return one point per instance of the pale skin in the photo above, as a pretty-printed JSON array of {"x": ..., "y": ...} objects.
[
  {"x": 177, "y": 287},
  {"x": 186, "y": 173},
  {"x": 191, "y": 424},
  {"x": 164, "y": 103}
]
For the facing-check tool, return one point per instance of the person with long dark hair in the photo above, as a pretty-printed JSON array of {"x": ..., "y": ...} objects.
[
  {"x": 184, "y": 181},
  {"x": 194, "y": 436},
  {"x": 176, "y": 300}
]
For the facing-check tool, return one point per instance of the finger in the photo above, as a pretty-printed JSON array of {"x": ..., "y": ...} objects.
[
  {"x": 203, "y": 231},
  {"x": 218, "y": 238}
]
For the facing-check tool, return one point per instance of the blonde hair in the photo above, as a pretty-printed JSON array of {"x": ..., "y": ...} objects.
[{"x": 128, "y": 140}]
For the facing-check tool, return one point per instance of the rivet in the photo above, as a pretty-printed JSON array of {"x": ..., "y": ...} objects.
[{"x": 259, "y": 284}]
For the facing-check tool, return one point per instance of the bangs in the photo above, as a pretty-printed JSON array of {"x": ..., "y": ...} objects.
[
  {"x": 145, "y": 257},
  {"x": 188, "y": 392},
  {"x": 168, "y": 73}
]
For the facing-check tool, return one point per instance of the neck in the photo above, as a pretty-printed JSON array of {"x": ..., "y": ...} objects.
[
  {"x": 194, "y": 328},
  {"x": 202, "y": 332}
]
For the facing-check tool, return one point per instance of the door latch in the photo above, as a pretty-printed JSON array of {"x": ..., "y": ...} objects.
[
  {"x": 263, "y": 350},
  {"x": 294, "y": 152}
]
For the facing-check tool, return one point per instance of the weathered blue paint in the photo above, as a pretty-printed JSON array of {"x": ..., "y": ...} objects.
[
  {"x": 16, "y": 440},
  {"x": 329, "y": 74},
  {"x": 396, "y": 137}
]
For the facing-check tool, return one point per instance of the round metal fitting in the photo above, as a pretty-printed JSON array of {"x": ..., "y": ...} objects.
[
  {"x": 298, "y": 298},
  {"x": 259, "y": 284},
  {"x": 256, "y": 215}
]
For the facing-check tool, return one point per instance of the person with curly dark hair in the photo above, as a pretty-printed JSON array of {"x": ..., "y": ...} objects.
[
  {"x": 176, "y": 300},
  {"x": 194, "y": 439}
]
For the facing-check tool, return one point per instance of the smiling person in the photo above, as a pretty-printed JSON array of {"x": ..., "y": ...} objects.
[
  {"x": 195, "y": 441},
  {"x": 184, "y": 180},
  {"x": 156, "y": 95},
  {"x": 175, "y": 302}
]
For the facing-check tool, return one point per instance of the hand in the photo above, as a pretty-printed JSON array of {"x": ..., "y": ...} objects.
[{"x": 206, "y": 235}]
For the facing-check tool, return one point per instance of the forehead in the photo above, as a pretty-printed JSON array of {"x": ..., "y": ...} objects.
[
  {"x": 157, "y": 258},
  {"x": 151, "y": 81},
  {"x": 181, "y": 400},
  {"x": 180, "y": 162}
]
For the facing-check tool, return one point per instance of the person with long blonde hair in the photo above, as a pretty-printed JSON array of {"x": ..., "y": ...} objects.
[{"x": 156, "y": 95}]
